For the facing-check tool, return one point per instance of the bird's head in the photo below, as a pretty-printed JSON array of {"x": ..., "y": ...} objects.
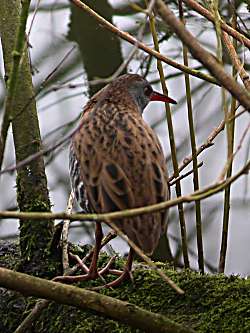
[
  {"x": 142, "y": 93},
  {"x": 131, "y": 88}
]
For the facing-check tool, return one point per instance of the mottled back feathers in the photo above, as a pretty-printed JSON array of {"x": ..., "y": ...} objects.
[{"x": 116, "y": 162}]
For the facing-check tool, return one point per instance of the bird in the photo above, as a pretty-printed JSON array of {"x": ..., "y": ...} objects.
[{"x": 116, "y": 162}]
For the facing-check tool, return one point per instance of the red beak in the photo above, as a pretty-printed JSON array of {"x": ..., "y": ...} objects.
[{"x": 155, "y": 96}]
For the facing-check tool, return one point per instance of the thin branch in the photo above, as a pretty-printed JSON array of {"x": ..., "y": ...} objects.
[
  {"x": 146, "y": 259},
  {"x": 208, "y": 143},
  {"x": 206, "y": 13},
  {"x": 197, "y": 195},
  {"x": 27, "y": 323},
  {"x": 34, "y": 16},
  {"x": 121, "y": 311},
  {"x": 233, "y": 154},
  {"x": 172, "y": 146},
  {"x": 214, "y": 4},
  {"x": 132, "y": 40},
  {"x": 230, "y": 127},
  {"x": 54, "y": 146},
  {"x": 46, "y": 81},
  {"x": 236, "y": 61},
  {"x": 194, "y": 151},
  {"x": 185, "y": 174},
  {"x": 202, "y": 55}
]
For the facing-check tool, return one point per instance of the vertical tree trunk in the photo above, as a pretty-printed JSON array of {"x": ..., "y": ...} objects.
[
  {"x": 32, "y": 193},
  {"x": 99, "y": 48}
]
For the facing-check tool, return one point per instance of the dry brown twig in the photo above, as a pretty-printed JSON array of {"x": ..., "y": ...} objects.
[
  {"x": 202, "y": 55},
  {"x": 206, "y": 13},
  {"x": 184, "y": 175},
  {"x": 197, "y": 195},
  {"x": 236, "y": 61},
  {"x": 132, "y": 40},
  {"x": 208, "y": 143},
  {"x": 146, "y": 259},
  {"x": 231, "y": 158}
]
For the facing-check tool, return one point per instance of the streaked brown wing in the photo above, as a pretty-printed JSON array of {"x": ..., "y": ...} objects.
[
  {"x": 120, "y": 174},
  {"x": 112, "y": 190}
]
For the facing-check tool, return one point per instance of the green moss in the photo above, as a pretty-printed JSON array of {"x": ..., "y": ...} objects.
[
  {"x": 212, "y": 303},
  {"x": 35, "y": 236},
  {"x": 9, "y": 254}
]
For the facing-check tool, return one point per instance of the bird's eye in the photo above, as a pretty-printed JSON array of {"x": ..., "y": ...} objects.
[{"x": 148, "y": 91}]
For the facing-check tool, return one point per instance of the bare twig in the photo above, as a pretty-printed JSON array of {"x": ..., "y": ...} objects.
[
  {"x": 194, "y": 151},
  {"x": 202, "y": 55},
  {"x": 146, "y": 259},
  {"x": 209, "y": 142},
  {"x": 230, "y": 130},
  {"x": 236, "y": 61},
  {"x": 172, "y": 147},
  {"x": 126, "y": 36},
  {"x": 36, "y": 8},
  {"x": 44, "y": 151},
  {"x": 33, "y": 316},
  {"x": 197, "y": 195},
  {"x": 185, "y": 174},
  {"x": 206, "y": 13},
  {"x": 45, "y": 82},
  {"x": 231, "y": 158}
]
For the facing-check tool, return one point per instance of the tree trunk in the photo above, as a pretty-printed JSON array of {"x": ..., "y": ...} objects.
[{"x": 32, "y": 193}]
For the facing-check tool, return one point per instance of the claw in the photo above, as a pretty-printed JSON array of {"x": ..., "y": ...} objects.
[
  {"x": 123, "y": 277},
  {"x": 92, "y": 273},
  {"x": 106, "y": 269}
]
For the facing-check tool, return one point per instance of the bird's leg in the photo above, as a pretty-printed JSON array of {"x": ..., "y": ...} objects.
[
  {"x": 92, "y": 272},
  {"x": 124, "y": 275}
]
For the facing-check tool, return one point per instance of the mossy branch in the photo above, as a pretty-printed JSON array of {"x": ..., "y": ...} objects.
[
  {"x": 125, "y": 312},
  {"x": 42, "y": 304}
]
